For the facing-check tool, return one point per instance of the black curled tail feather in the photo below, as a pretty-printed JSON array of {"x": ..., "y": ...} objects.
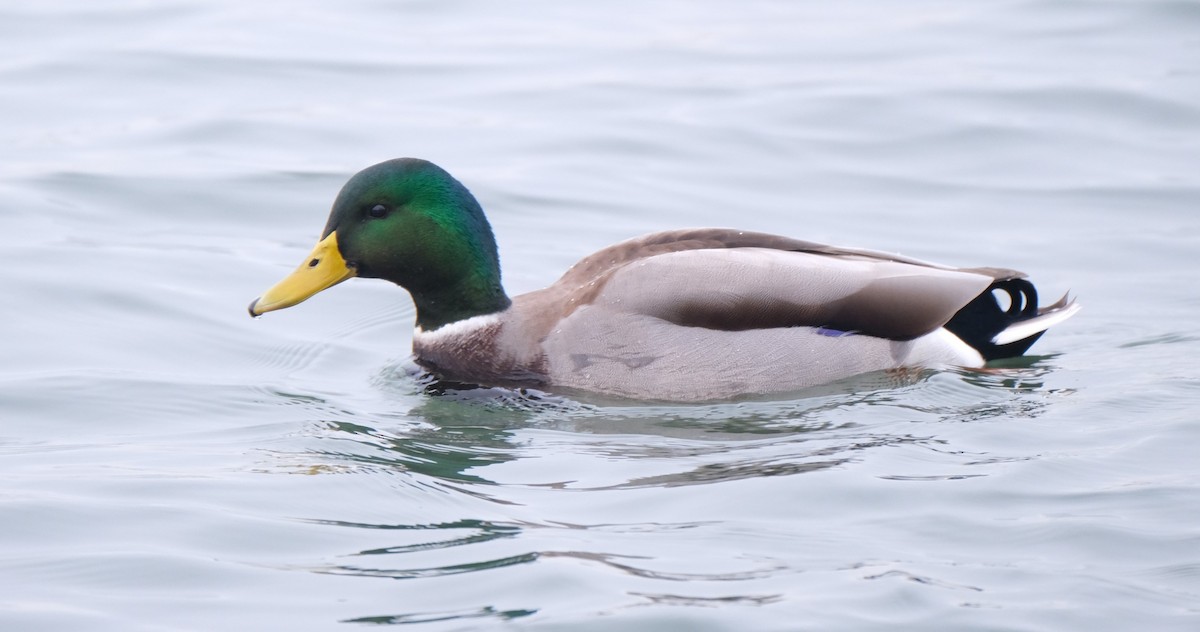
[{"x": 978, "y": 323}]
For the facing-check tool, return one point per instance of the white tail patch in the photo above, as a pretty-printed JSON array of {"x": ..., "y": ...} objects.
[{"x": 1027, "y": 328}]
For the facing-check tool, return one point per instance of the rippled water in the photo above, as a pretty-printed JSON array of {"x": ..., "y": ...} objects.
[{"x": 170, "y": 464}]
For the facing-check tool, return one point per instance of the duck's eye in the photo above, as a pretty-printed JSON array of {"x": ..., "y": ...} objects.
[{"x": 377, "y": 211}]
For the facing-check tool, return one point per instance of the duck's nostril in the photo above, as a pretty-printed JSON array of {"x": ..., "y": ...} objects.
[{"x": 313, "y": 263}]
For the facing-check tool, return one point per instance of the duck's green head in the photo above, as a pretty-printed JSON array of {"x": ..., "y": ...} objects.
[{"x": 411, "y": 223}]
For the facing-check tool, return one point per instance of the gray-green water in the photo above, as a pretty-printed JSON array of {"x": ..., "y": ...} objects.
[{"x": 170, "y": 464}]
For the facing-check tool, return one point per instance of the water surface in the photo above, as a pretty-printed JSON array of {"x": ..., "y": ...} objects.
[{"x": 170, "y": 464}]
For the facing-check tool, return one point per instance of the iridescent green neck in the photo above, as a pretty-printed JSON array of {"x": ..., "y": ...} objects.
[{"x": 475, "y": 295}]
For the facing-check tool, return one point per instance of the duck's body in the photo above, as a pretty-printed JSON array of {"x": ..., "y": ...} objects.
[{"x": 690, "y": 315}]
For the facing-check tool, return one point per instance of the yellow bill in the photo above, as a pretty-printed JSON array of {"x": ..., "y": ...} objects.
[{"x": 324, "y": 268}]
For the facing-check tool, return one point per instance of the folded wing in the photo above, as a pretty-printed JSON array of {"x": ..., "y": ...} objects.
[{"x": 744, "y": 288}]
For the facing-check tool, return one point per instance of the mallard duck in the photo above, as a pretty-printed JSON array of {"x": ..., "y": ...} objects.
[{"x": 685, "y": 315}]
